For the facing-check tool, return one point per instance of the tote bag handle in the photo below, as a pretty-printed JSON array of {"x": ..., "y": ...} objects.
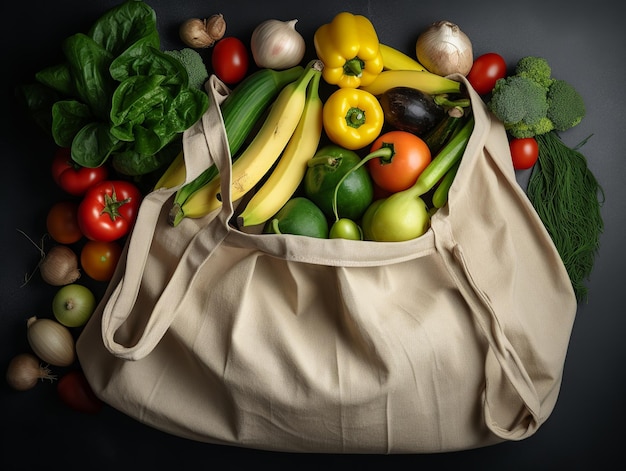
[{"x": 203, "y": 144}]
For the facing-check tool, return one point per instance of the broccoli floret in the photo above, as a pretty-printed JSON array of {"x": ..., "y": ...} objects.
[
  {"x": 535, "y": 68},
  {"x": 565, "y": 105},
  {"x": 520, "y": 104},
  {"x": 194, "y": 65},
  {"x": 531, "y": 102}
]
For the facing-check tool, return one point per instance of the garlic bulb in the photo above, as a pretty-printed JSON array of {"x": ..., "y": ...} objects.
[
  {"x": 444, "y": 49},
  {"x": 277, "y": 45},
  {"x": 51, "y": 341},
  {"x": 198, "y": 33}
]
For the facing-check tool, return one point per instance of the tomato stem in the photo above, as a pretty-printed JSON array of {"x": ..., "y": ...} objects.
[{"x": 112, "y": 205}]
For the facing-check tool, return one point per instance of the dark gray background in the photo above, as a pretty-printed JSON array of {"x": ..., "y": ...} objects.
[{"x": 584, "y": 43}]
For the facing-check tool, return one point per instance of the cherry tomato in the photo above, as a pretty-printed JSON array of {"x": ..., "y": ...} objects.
[
  {"x": 410, "y": 157},
  {"x": 62, "y": 222},
  {"x": 524, "y": 152},
  {"x": 485, "y": 71},
  {"x": 230, "y": 60},
  {"x": 73, "y": 178},
  {"x": 108, "y": 210},
  {"x": 75, "y": 392},
  {"x": 99, "y": 259}
]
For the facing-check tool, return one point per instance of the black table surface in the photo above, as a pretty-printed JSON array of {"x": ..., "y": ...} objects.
[{"x": 584, "y": 43}]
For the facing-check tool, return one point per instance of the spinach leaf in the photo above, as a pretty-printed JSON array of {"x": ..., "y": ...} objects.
[
  {"x": 68, "y": 117},
  {"x": 58, "y": 78},
  {"x": 125, "y": 25},
  {"x": 88, "y": 65},
  {"x": 132, "y": 163},
  {"x": 93, "y": 144}
]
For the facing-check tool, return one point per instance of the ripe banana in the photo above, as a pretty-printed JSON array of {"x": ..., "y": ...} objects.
[
  {"x": 258, "y": 158},
  {"x": 174, "y": 175},
  {"x": 427, "y": 82},
  {"x": 289, "y": 172},
  {"x": 396, "y": 60}
]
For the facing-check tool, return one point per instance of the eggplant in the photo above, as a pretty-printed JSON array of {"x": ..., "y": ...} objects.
[{"x": 409, "y": 109}]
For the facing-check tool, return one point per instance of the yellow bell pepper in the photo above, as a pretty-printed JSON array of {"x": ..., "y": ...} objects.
[
  {"x": 349, "y": 48},
  {"x": 352, "y": 118}
]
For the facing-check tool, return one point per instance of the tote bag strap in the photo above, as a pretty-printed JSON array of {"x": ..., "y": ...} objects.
[
  {"x": 203, "y": 143},
  {"x": 504, "y": 369}
]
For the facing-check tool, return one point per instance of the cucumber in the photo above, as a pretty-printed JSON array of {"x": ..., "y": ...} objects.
[{"x": 240, "y": 111}]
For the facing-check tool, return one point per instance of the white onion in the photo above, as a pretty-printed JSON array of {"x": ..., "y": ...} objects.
[
  {"x": 444, "y": 49},
  {"x": 51, "y": 341},
  {"x": 277, "y": 45}
]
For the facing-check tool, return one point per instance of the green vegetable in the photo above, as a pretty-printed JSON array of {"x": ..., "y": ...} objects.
[
  {"x": 194, "y": 65},
  {"x": 566, "y": 108},
  {"x": 337, "y": 182},
  {"x": 299, "y": 216},
  {"x": 531, "y": 102},
  {"x": 116, "y": 95},
  {"x": 440, "y": 195},
  {"x": 567, "y": 198}
]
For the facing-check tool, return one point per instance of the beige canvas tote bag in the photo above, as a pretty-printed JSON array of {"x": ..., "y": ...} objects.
[{"x": 454, "y": 340}]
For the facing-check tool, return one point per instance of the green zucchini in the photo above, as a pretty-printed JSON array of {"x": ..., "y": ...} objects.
[
  {"x": 439, "y": 135},
  {"x": 440, "y": 196},
  {"x": 241, "y": 110}
]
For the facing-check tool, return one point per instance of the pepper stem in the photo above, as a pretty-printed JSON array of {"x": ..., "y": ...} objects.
[
  {"x": 353, "y": 67},
  {"x": 355, "y": 118}
]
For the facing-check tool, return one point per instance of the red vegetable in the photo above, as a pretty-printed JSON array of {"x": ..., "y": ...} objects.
[
  {"x": 410, "y": 157},
  {"x": 108, "y": 210},
  {"x": 524, "y": 152},
  {"x": 230, "y": 60},
  {"x": 485, "y": 71},
  {"x": 62, "y": 222},
  {"x": 73, "y": 178},
  {"x": 75, "y": 392}
]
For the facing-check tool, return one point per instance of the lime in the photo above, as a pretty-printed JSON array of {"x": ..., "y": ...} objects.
[{"x": 299, "y": 216}]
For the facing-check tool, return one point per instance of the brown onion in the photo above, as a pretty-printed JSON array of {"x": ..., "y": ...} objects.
[
  {"x": 59, "y": 266},
  {"x": 24, "y": 371}
]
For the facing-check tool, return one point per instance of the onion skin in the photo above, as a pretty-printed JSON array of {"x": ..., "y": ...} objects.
[
  {"x": 444, "y": 49},
  {"x": 51, "y": 341},
  {"x": 59, "y": 266},
  {"x": 24, "y": 371},
  {"x": 276, "y": 44}
]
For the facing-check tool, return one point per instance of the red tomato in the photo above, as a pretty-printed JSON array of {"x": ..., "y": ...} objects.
[
  {"x": 99, "y": 259},
  {"x": 485, "y": 71},
  {"x": 73, "y": 178},
  {"x": 75, "y": 392},
  {"x": 62, "y": 222},
  {"x": 524, "y": 152},
  {"x": 230, "y": 60},
  {"x": 108, "y": 210},
  {"x": 410, "y": 157}
]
